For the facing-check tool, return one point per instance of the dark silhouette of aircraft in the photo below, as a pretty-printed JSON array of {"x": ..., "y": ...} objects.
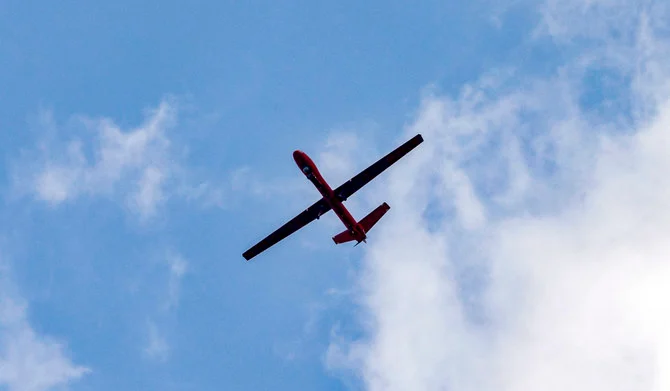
[{"x": 333, "y": 199}]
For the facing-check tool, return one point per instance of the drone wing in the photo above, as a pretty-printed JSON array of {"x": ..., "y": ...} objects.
[
  {"x": 361, "y": 179},
  {"x": 305, "y": 217}
]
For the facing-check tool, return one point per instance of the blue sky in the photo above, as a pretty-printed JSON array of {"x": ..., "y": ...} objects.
[
  {"x": 147, "y": 145},
  {"x": 254, "y": 81}
]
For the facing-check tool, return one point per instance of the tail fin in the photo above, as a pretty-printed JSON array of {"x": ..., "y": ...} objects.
[
  {"x": 371, "y": 219},
  {"x": 343, "y": 237},
  {"x": 366, "y": 223}
]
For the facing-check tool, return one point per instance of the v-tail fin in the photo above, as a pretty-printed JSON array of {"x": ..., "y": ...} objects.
[
  {"x": 373, "y": 217},
  {"x": 343, "y": 237},
  {"x": 366, "y": 223}
]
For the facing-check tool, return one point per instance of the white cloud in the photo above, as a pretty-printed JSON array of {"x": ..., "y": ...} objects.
[
  {"x": 29, "y": 361},
  {"x": 549, "y": 268},
  {"x": 157, "y": 346},
  {"x": 150, "y": 193},
  {"x": 177, "y": 268},
  {"x": 337, "y": 160},
  {"x": 139, "y": 165}
]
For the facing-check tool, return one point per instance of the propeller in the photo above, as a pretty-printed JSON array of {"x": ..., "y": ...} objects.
[{"x": 363, "y": 241}]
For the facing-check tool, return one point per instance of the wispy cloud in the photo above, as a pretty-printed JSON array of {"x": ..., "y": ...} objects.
[
  {"x": 139, "y": 165},
  {"x": 157, "y": 347},
  {"x": 29, "y": 361},
  {"x": 173, "y": 268},
  {"x": 345, "y": 151},
  {"x": 548, "y": 268},
  {"x": 177, "y": 268}
]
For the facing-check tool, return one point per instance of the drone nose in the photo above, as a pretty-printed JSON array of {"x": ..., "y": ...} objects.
[{"x": 298, "y": 157}]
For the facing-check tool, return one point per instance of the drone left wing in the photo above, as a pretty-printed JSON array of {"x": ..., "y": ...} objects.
[{"x": 305, "y": 217}]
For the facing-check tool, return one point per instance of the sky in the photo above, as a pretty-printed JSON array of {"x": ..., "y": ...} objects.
[{"x": 145, "y": 146}]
